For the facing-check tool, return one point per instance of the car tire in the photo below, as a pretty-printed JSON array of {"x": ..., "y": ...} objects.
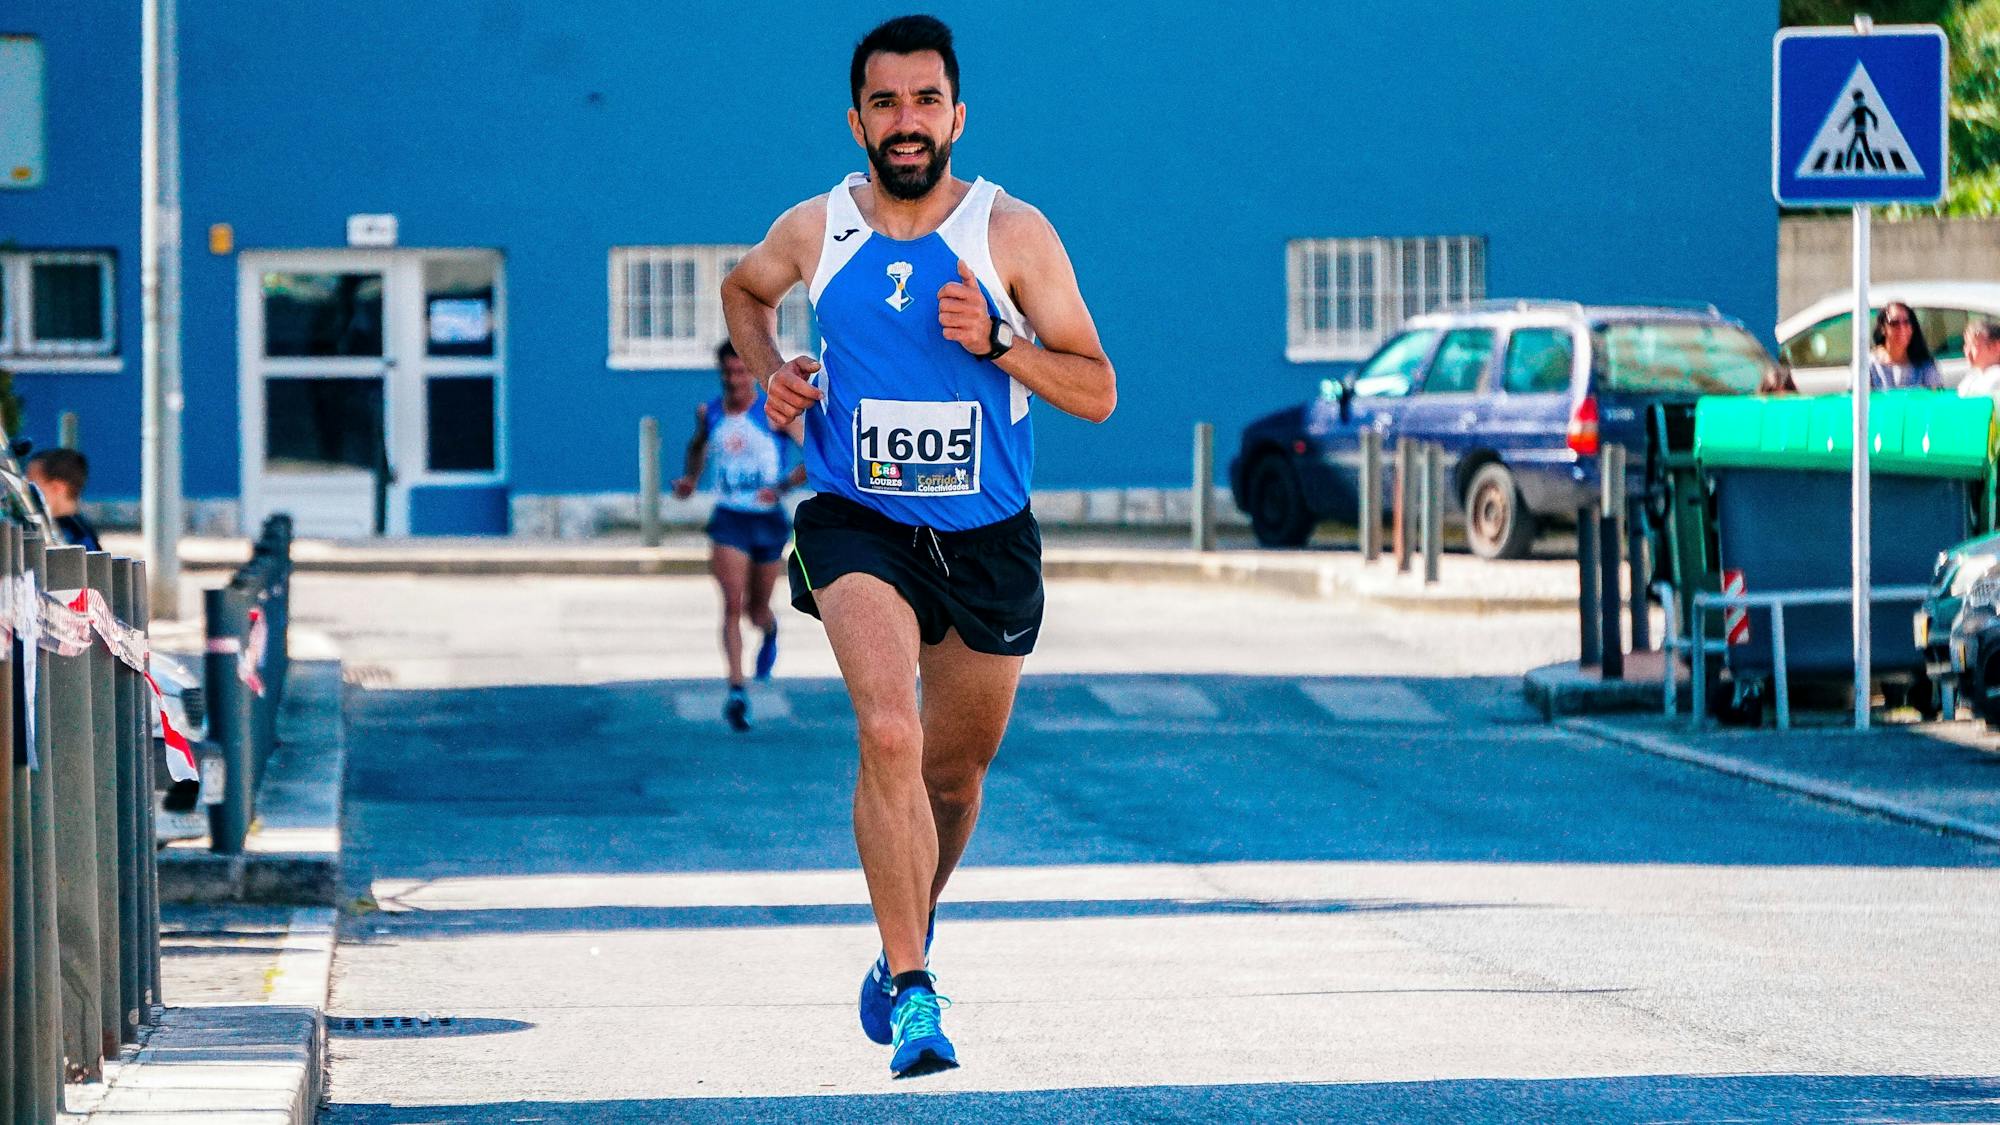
[
  {"x": 1277, "y": 504},
  {"x": 1498, "y": 524}
]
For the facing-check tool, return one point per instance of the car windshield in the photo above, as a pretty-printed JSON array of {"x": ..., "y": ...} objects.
[
  {"x": 1394, "y": 368},
  {"x": 1679, "y": 357}
]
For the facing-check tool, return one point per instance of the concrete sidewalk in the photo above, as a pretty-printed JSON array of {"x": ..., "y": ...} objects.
[
  {"x": 247, "y": 942},
  {"x": 1943, "y": 776},
  {"x": 1466, "y": 583}
]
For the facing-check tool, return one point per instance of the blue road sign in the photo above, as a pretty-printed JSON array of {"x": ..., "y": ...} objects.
[{"x": 1858, "y": 118}]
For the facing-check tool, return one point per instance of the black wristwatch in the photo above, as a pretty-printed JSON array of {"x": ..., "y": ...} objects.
[{"x": 999, "y": 339}]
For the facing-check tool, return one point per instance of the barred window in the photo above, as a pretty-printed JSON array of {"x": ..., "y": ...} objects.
[
  {"x": 57, "y": 305},
  {"x": 666, "y": 307},
  {"x": 1346, "y": 295}
]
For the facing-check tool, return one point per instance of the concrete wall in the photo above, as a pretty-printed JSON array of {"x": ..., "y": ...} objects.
[{"x": 1815, "y": 255}]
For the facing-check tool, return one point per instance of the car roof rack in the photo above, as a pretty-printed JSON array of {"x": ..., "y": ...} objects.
[{"x": 1515, "y": 304}]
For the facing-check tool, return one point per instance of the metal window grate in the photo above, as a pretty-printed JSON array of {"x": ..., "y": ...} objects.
[
  {"x": 1347, "y": 294},
  {"x": 666, "y": 307}
]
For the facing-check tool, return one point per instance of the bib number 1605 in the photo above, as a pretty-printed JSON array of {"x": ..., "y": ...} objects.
[{"x": 903, "y": 444}]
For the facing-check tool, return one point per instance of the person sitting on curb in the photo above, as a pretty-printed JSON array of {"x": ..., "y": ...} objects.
[
  {"x": 61, "y": 475},
  {"x": 1982, "y": 351}
]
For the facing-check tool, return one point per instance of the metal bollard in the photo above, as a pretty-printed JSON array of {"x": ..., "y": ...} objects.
[
  {"x": 229, "y": 719},
  {"x": 1638, "y": 574},
  {"x": 1610, "y": 550},
  {"x": 1406, "y": 494},
  {"x": 67, "y": 435},
  {"x": 1202, "y": 489},
  {"x": 104, "y": 769},
  {"x": 1369, "y": 503},
  {"x": 1590, "y": 636},
  {"x": 11, "y": 942},
  {"x": 649, "y": 481},
  {"x": 46, "y": 1063},
  {"x": 149, "y": 874},
  {"x": 1433, "y": 510},
  {"x": 125, "y": 691},
  {"x": 73, "y": 761}
]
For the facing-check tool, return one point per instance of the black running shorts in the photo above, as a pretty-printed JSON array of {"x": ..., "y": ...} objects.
[{"x": 986, "y": 582}]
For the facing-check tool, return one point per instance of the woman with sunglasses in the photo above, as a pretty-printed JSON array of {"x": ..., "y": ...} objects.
[{"x": 1901, "y": 357}]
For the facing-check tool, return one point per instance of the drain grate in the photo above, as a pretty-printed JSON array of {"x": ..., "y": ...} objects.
[
  {"x": 391, "y": 1023},
  {"x": 421, "y": 1024},
  {"x": 368, "y": 675}
]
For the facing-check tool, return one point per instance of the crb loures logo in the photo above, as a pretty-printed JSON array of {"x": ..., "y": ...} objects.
[{"x": 899, "y": 272}]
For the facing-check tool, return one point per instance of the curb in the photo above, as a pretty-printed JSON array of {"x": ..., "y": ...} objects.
[
  {"x": 1816, "y": 788},
  {"x": 1558, "y": 690},
  {"x": 248, "y": 1064}
]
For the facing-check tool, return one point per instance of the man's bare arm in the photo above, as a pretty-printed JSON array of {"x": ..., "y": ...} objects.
[
  {"x": 1069, "y": 370},
  {"x": 697, "y": 453},
  {"x": 750, "y": 296}
]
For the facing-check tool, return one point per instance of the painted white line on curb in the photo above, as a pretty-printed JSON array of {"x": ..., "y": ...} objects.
[
  {"x": 305, "y": 960},
  {"x": 1785, "y": 779}
]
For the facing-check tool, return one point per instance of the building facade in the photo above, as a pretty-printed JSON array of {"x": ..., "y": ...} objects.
[{"x": 439, "y": 260}]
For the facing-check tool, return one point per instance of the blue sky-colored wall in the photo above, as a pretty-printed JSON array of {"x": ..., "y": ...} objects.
[
  {"x": 1608, "y": 151},
  {"x": 89, "y": 200}
]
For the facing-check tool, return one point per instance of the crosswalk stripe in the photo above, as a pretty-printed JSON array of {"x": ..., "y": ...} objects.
[
  {"x": 1155, "y": 700},
  {"x": 704, "y": 704},
  {"x": 1371, "y": 701}
]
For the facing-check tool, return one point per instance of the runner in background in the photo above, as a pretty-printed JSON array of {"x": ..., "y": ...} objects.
[{"x": 748, "y": 531}]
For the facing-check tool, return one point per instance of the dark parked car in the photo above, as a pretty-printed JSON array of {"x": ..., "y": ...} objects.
[
  {"x": 1958, "y": 627},
  {"x": 1519, "y": 394}
]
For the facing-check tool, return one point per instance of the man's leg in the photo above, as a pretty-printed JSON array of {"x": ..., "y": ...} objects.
[
  {"x": 967, "y": 698},
  {"x": 875, "y": 641},
  {"x": 757, "y": 606},
  {"x": 731, "y": 568}
]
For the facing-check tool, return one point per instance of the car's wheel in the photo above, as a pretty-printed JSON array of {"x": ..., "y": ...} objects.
[
  {"x": 1277, "y": 507},
  {"x": 1925, "y": 697},
  {"x": 1498, "y": 524}
]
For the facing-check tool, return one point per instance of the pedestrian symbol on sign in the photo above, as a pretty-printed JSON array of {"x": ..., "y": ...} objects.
[{"x": 1859, "y": 137}]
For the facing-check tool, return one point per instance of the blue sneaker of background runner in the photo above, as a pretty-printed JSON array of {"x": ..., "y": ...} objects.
[
  {"x": 877, "y": 998},
  {"x": 767, "y": 653},
  {"x": 921, "y": 1047}
]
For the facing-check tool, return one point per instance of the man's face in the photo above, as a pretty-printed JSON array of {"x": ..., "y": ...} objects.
[
  {"x": 56, "y": 493},
  {"x": 737, "y": 381},
  {"x": 907, "y": 121},
  {"x": 1980, "y": 351}
]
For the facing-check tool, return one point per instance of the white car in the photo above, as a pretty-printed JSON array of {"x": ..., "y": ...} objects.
[{"x": 1817, "y": 341}]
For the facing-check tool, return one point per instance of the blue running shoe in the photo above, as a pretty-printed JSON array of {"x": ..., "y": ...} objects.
[
  {"x": 921, "y": 1047},
  {"x": 736, "y": 709},
  {"x": 767, "y": 653},
  {"x": 878, "y": 996}
]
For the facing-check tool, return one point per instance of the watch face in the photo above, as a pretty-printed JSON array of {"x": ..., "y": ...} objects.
[{"x": 1004, "y": 334}]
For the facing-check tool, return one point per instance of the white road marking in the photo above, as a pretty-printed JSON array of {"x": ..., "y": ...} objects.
[
  {"x": 1155, "y": 700},
  {"x": 704, "y": 704},
  {"x": 1370, "y": 701}
]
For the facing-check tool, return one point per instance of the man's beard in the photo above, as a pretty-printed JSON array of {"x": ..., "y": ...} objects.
[{"x": 909, "y": 183}]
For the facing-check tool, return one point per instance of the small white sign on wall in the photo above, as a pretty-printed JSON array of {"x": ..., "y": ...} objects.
[{"x": 373, "y": 231}]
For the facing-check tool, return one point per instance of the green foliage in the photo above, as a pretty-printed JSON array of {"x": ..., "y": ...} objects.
[{"x": 1973, "y": 27}]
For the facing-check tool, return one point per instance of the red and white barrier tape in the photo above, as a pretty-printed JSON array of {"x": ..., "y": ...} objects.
[{"x": 63, "y": 622}]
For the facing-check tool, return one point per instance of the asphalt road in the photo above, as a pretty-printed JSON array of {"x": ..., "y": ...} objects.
[{"x": 1243, "y": 857}]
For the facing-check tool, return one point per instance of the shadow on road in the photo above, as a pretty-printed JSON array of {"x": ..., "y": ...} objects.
[{"x": 1671, "y": 1097}]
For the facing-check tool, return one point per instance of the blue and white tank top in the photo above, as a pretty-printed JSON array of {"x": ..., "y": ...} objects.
[
  {"x": 911, "y": 424},
  {"x": 745, "y": 454}
]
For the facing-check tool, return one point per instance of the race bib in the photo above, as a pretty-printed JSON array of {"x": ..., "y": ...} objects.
[{"x": 916, "y": 448}]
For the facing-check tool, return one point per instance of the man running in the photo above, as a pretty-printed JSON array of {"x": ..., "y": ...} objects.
[
  {"x": 748, "y": 530},
  {"x": 918, "y": 553}
]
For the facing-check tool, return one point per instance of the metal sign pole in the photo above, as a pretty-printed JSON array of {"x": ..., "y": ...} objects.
[{"x": 1861, "y": 509}]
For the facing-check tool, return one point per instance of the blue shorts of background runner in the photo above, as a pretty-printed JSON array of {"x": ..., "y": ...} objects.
[{"x": 761, "y": 535}]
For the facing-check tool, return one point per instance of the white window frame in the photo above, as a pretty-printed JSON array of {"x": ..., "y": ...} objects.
[
  {"x": 20, "y": 350},
  {"x": 1405, "y": 277},
  {"x": 702, "y": 309}
]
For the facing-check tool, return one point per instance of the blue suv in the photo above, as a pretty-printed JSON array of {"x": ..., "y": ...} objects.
[{"x": 1519, "y": 395}]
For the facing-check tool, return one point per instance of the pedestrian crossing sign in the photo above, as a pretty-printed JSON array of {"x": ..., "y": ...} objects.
[{"x": 1859, "y": 117}]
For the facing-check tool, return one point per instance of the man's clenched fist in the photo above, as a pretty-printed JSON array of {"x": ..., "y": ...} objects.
[
  {"x": 790, "y": 391},
  {"x": 962, "y": 313}
]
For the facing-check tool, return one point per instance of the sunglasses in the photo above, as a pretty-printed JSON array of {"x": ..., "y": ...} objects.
[{"x": 1899, "y": 322}]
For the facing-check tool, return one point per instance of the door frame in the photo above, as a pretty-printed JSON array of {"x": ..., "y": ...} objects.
[{"x": 404, "y": 367}]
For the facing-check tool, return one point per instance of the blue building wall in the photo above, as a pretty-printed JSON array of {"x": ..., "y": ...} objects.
[
  {"x": 1608, "y": 152},
  {"x": 88, "y": 200}
]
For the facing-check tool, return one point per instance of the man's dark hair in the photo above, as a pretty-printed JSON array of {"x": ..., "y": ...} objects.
[
  {"x": 66, "y": 465},
  {"x": 905, "y": 35},
  {"x": 724, "y": 352}
]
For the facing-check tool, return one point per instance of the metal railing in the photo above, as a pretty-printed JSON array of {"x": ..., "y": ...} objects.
[
  {"x": 1699, "y": 646},
  {"x": 243, "y": 676},
  {"x": 79, "y": 904}
]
